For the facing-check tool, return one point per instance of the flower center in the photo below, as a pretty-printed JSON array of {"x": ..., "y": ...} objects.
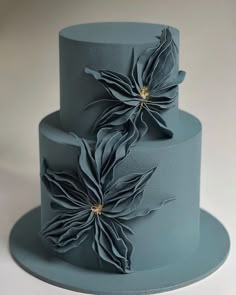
[
  {"x": 144, "y": 92},
  {"x": 97, "y": 209}
]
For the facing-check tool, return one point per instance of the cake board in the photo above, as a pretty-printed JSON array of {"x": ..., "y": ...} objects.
[{"x": 28, "y": 251}]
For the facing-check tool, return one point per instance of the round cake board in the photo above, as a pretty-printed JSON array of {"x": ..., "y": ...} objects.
[{"x": 28, "y": 251}]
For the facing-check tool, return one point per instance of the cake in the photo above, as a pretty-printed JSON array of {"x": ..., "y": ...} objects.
[
  {"x": 120, "y": 170},
  {"x": 119, "y": 109}
]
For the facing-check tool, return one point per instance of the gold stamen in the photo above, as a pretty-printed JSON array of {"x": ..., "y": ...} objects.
[
  {"x": 97, "y": 209},
  {"x": 144, "y": 93}
]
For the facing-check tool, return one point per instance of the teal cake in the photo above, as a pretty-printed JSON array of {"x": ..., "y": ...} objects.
[
  {"x": 120, "y": 171},
  {"x": 120, "y": 162}
]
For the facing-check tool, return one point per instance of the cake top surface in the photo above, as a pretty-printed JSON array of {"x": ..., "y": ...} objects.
[{"x": 115, "y": 32}]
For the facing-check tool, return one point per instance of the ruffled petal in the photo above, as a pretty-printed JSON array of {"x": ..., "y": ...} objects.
[
  {"x": 159, "y": 121},
  {"x": 131, "y": 123},
  {"x": 134, "y": 73},
  {"x": 125, "y": 195},
  {"x": 162, "y": 63},
  {"x": 140, "y": 212},
  {"x": 172, "y": 83},
  {"x": 118, "y": 85},
  {"x": 142, "y": 63},
  {"x": 88, "y": 172},
  {"x": 68, "y": 230},
  {"x": 111, "y": 148},
  {"x": 157, "y": 68},
  {"x": 65, "y": 188},
  {"x": 112, "y": 245},
  {"x": 104, "y": 150},
  {"x": 115, "y": 116},
  {"x": 140, "y": 125},
  {"x": 158, "y": 100}
]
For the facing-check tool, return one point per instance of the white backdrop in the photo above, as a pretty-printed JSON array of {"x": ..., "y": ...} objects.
[{"x": 29, "y": 90}]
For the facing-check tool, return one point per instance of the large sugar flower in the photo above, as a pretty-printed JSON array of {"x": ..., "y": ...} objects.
[
  {"x": 150, "y": 89},
  {"x": 91, "y": 201}
]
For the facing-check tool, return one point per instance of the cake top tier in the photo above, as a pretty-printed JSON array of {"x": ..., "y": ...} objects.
[
  {"x": 118, "y": 73},
  {"x": 116, "y": 32}
]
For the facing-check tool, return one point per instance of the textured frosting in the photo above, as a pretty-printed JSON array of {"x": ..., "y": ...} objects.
[
  {"x": 99, "y": 46},
  {"x": 167, "y": 235}
]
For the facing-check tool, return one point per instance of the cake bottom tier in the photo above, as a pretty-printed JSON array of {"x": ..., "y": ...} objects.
[{"x": 163, "y": 237}]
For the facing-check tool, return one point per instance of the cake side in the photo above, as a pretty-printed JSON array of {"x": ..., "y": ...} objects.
[
  {"x": 99, "y": 46},
  {"x": 167, "y": 235}
]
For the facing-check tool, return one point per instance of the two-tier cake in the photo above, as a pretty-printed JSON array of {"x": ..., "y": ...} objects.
[{"x": 120, "y": 170}]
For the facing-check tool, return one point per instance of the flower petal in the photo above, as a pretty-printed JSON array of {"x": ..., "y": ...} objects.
[
  {"x": 157, "y": 68},
  {"x": 157, "y": 118},
  {"x": 87, "y": 171},
  {"x": 162, "y": 61},
  {"x": 141, "y": 63},
  {"x": 143, "y": 212},
  {"x": 65, "y": 189},
  {"x": 134, "y": 73},
  {"x": 112, "y": 245},
  {"x": 112, "y": 147},
  {"x": 117, "y": 115},
  {"x": 118, "y": 85},
  {"x": 173, "y": 82},
  {"x": 68, "y": 230},
  {"x": 140, "y": 124},
  {"x": 125, "y": 195}
]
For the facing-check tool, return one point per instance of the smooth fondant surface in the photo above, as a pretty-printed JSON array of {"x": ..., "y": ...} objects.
[{"x": 27, "y": 250}]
